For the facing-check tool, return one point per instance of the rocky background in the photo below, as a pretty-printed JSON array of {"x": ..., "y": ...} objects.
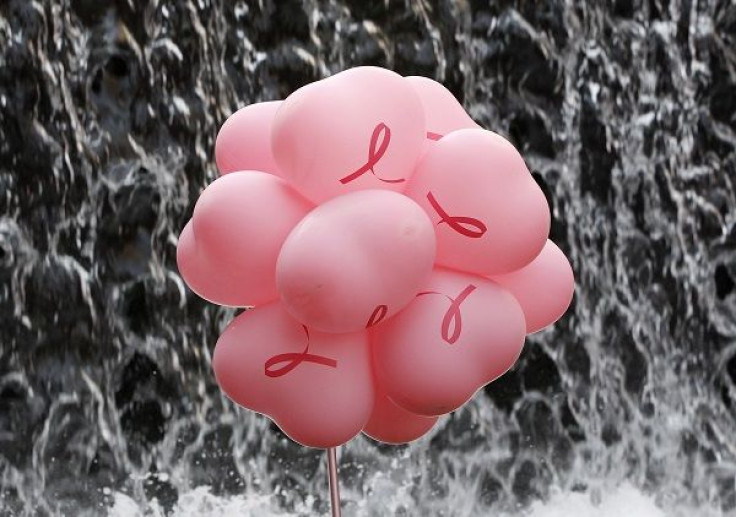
[{"x": 626, "y": 112}]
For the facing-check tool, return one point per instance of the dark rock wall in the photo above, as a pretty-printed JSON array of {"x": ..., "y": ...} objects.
[{"x": 626, "y": 113}]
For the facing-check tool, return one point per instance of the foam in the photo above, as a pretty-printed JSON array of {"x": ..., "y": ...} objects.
[{"x": 624, "y": 501}]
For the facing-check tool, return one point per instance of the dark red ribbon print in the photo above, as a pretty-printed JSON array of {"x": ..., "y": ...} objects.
[
  {"x": 294, "y": 359},
  {"x": 467, "y": 226},
  {"x": 452, "y": 323},
  {"x": 379, "y": 144},
  {"x": 378, "y": 314},
  {"x": 433, "y": 136}
]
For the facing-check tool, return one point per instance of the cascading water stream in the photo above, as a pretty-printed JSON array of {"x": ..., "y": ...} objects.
[{"x": 624, "y": 110}]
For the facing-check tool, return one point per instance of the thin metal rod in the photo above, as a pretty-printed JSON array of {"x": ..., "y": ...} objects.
[{"x": 334, "y": 486}]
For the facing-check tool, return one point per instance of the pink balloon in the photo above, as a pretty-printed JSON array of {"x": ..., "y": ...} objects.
[
  {"x": 442, "y": 112},
  {"x": 397, "y": 254},
  {"x": 316, "y": 387},
  {"x": 544, "y": 287},
  {"x": 208, "y": 281},
  {"x": 244, "y": 140},
  {"x": 360, "y": 129},
  {"x": 460, "y": 333},
  {"x": 490, "y": 215},
  {"x": 239, "y": 223},
  {"x": 392, "y": 424},
  {"x": 355, "y": 261}
]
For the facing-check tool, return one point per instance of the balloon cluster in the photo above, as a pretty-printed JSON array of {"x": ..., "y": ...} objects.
[{"x": 396, "y": 255}]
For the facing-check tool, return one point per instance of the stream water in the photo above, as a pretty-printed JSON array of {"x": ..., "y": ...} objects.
[{"x": 625, "y": 111}]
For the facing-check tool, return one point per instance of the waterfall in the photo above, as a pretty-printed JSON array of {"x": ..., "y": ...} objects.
[{"x": 625, "y": 112}]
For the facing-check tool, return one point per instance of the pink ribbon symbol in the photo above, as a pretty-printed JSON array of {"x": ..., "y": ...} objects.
[
  {"x": 379, "y": 144},
  {"x": 294, "y": 359},
  {"x": 378, "y": 314},
  {"x": 453, "y": 319},
  {"x": 475, "y": 227}
]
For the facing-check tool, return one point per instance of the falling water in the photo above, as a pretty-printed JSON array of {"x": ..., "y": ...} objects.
[{"x": 624, "y": 110}]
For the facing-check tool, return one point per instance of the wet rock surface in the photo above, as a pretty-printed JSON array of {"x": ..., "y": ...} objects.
[{"x": 626, "y": 114}]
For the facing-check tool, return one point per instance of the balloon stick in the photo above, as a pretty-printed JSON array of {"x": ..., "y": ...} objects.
[{"x": 334, "y": 486}]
